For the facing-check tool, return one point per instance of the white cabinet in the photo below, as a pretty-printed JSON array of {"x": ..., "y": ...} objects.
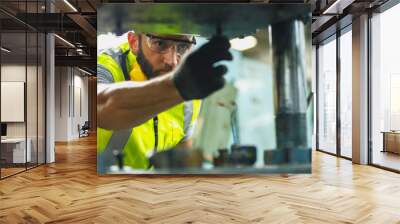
[{"x": 18, "y": 149}]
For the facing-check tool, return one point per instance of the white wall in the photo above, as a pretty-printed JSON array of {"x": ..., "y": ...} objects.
[
  {"x": 71, "y": 102},
  {"x": 81, "y": 100},
  {"x": 12, "y": 100},
  {"x": 33, "y": 126},
  {"x": 16, "y": 73},
  {"x": 61, "y": 103}
]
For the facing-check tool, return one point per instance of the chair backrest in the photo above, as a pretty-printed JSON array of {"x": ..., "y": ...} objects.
[{"x": 86, "y": 125}]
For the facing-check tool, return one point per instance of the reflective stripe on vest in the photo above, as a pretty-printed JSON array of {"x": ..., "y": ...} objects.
[
  {"x": 188, "y": 114},
  {"x": 173, "y": 123},
  {"x": 116, "y": 143}
]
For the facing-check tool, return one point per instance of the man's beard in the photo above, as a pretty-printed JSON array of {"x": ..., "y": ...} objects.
[{"x": 145, "y": 65}]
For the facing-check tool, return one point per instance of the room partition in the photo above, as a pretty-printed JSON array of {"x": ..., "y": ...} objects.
[{"x": 22, "y": 77}]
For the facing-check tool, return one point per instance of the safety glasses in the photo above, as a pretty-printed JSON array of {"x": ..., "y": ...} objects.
[{"x": 164, "y": 44}]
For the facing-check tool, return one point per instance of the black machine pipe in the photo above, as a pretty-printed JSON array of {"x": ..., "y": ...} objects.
[{"x": 289, "y": 51}]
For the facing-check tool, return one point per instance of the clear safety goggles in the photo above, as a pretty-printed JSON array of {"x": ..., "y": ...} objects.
[{"x": 164, "y": 44}]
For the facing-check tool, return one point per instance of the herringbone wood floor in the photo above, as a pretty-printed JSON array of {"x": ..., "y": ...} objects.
[{"x": 69, "y": 191}]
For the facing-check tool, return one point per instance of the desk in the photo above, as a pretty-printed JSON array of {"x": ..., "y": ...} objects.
[
  {"x": 15, "y": 148},
  {"x": 391, "y": 142}
]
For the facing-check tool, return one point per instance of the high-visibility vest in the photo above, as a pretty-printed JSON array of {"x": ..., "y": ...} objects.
[{"x": 164, "y": 131}]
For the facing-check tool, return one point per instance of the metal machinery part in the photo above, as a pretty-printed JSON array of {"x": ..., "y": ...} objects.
[
  {"x": 170, "y": 18},
  {"x": 289, "y": 68}
]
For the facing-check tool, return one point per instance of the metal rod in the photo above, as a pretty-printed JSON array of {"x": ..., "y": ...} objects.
[{"x": 338, "y": 98}]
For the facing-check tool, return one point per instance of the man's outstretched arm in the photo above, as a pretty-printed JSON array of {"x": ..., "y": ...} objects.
[{"x": 128, "y": 104}]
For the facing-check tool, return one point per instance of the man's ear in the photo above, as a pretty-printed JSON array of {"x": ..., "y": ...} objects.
[{"x": 133, "y": 40}]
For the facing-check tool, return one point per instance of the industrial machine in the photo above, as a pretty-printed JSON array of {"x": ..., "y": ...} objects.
[{"x": 261, "y": 121}]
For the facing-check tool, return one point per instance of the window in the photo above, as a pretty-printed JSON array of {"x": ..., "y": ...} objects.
[
  {"x": 346, "y": 93},
  {"x": 385, "y": 89},
  {"x": 327, "y": 96}
]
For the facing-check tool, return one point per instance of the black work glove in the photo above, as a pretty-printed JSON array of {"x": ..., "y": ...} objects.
[{"x": 197, "y": 77}]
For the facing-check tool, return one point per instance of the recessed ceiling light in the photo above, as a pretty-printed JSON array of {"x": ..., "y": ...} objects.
[
  {"x": 64, "y": 40},
  {"x": 242, "y": 44},
  {"x": 334, "y": 7},
  {"x": 86, "y": 72},
  {"x": 70, "y": 5},
  {"x": 5, "y": 50}
]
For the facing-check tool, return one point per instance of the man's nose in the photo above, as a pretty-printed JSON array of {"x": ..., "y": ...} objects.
[{"x": 171, "y": 57}]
